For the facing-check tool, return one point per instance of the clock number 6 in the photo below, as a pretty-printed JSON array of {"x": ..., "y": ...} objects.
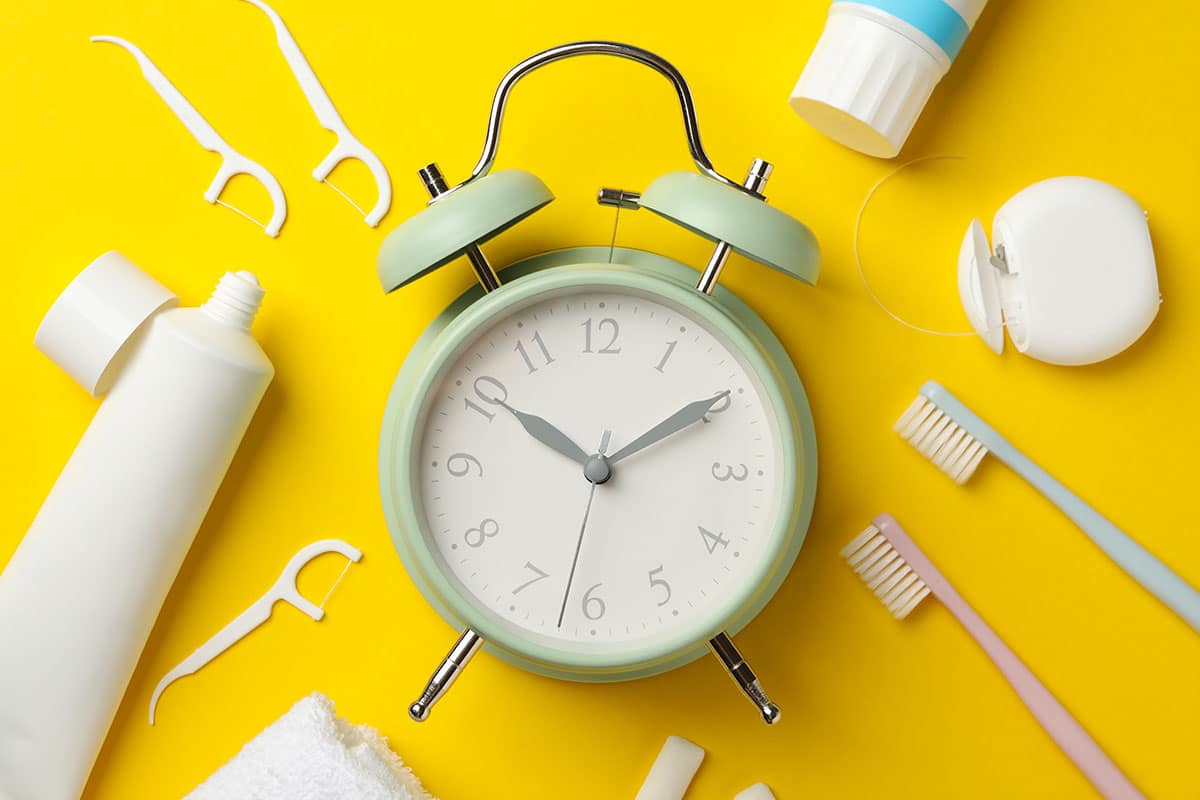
[
  {"x": 593, "y": 607},
  {"x": 498, "y": 395},
  {"x": 475, "y": 537},
  {"x": 730, "y": 474},
  {"x": 660, "y": 582}
]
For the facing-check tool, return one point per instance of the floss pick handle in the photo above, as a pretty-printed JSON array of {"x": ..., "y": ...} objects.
[{"x": 232, "y": 162}]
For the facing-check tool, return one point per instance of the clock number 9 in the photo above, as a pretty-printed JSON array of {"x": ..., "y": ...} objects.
[
  {"x": 660, "y": 582},
  {"x": 593, "y": 607},
  {"x": 498, "y": 395},
  {"x": 466, "y": 460},
  {"x": 730, "y": 474},
  {"x": 475, "y": 537}
]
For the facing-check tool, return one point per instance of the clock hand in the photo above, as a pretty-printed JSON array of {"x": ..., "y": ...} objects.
[
  {"x": 582, "y": 527},
  {"x": 688, "y": 415},
  {"x": 548, "y": 435}
]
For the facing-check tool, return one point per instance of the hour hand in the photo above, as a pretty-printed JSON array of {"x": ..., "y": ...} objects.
[
  {"x": 548, "y": 435},
  {"x": 688, "y": 415}
]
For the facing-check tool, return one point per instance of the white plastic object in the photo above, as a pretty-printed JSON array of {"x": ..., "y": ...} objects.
[
  {"x": 89, "y": 327},
  {"x": 348, "y": 145},
  {"x": 758, "y": 791},
  {"x": 673, "y": 770},
  {"x": 1073, "y": 275},
  {"x": 259, "y": 612},
  {"x": 232, "y": 162},
  {"x": 876, "y": 65},
  {"x": 81, "y": 593}
]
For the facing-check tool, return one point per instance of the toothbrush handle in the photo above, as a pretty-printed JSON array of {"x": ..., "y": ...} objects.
[
  {"x": 1137, "y": 561},
  {"x": 1155, "y": 576},
  {"x": 1079, "y": 746},
  {"x": 1063, "y": 728}
]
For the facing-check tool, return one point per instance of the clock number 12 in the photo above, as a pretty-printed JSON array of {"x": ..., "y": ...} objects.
[{"x": 608, "y": 323}]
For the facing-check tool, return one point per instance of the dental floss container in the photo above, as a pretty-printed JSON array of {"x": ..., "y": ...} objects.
[
  {"x": 1073, "y": 276},
  {"x": 875, "y": 66},
  {"x": 80, "y": 595}
]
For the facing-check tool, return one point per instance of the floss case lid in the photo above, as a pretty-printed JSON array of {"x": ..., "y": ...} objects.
[{"x": 1077, "y": 283}]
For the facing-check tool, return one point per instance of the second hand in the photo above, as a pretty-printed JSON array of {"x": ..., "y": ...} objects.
[{"x": 582, "y": 527}]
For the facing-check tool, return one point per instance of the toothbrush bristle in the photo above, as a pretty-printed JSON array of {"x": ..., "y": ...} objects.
[
  {"x": 939, "y": 438},
  {"x": 884, "y": 572}
]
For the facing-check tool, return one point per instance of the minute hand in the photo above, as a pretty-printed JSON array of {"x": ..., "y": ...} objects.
[{"x": 688, "y": 415}]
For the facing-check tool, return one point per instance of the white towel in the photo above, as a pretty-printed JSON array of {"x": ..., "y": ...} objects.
[{"x": 311, "y": 754}]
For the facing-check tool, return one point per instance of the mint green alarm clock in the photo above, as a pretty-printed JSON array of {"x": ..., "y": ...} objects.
[{"x": 604, "y": 467}]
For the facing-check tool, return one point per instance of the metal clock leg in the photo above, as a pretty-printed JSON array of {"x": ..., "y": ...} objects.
[
  {"x": 724, "y": 649},
  {"x": 447, "y": 671}
]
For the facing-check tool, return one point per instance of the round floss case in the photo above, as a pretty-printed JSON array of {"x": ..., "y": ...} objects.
[{"x": 1072, "y": 276}]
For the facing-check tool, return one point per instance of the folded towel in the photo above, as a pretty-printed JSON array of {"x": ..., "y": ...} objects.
[{"x": 311, "y": 754}]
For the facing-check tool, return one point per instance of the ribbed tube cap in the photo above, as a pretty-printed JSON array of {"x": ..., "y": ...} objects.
[{"x": 866, "y": 84}]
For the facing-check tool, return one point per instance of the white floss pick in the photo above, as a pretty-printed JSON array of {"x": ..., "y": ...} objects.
[
  {"x": 348, "y": 145},
  {"x": 672, "y": 771},
  {"x": 260, "y": 611},
  {"x": 232, "y": 162}
]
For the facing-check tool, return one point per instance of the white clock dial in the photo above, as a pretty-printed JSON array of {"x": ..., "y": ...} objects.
[{"x": 681, "y": 526}]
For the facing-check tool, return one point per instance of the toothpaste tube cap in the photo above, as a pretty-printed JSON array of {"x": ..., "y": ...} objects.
[
  {"x": 868, "y": 79},
  {"x": 88, "y": 327}
]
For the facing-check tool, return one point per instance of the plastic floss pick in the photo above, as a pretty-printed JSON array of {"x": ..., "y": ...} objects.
[
  {"x": 259, "y": 612},
  {"x": 232, "y": 162},
  {"x": 348, "y": 145}
]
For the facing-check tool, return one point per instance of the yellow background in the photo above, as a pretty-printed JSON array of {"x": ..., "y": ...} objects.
[{"x": 873, "y": 707}]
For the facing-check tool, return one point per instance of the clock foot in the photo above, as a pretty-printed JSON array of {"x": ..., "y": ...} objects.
[
  {"x": 447, "y": 671},
  {"x": 724, "y": 649}
]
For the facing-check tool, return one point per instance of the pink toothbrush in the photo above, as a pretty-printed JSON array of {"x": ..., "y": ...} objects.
[{"x": 893, "y": 567}]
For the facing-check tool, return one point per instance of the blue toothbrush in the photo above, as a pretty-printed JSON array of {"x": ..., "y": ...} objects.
[{"x": 955, "y": 439}]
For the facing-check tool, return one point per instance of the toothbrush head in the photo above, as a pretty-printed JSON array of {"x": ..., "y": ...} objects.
[
  {"x": 940, "y": 439},
  {"x": 885, "y": 572}
]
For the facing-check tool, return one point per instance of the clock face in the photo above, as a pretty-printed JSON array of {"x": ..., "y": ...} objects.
[{"x": 681, "y": 531}]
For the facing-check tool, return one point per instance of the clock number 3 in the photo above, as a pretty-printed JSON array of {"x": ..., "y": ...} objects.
[
  {"x": 730, "y": 473},
  {"x": 489, "y": 390},
  {"x": 656, "y": 581},
  {"x": 475, "y": 537},
  {"x": 608, "y": 323},
  {"x": 712, "y": 540}
]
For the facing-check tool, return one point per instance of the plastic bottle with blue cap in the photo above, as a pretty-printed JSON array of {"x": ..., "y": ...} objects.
[{"x": 875, "y": 66}]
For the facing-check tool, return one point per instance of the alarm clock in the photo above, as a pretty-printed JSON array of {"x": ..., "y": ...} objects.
[{"x": 603, "y": 467}]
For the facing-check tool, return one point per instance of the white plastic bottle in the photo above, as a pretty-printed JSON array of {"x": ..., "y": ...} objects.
[
  {"x": 875, "y": 66},
  {"x": 80, "y": 595}
]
